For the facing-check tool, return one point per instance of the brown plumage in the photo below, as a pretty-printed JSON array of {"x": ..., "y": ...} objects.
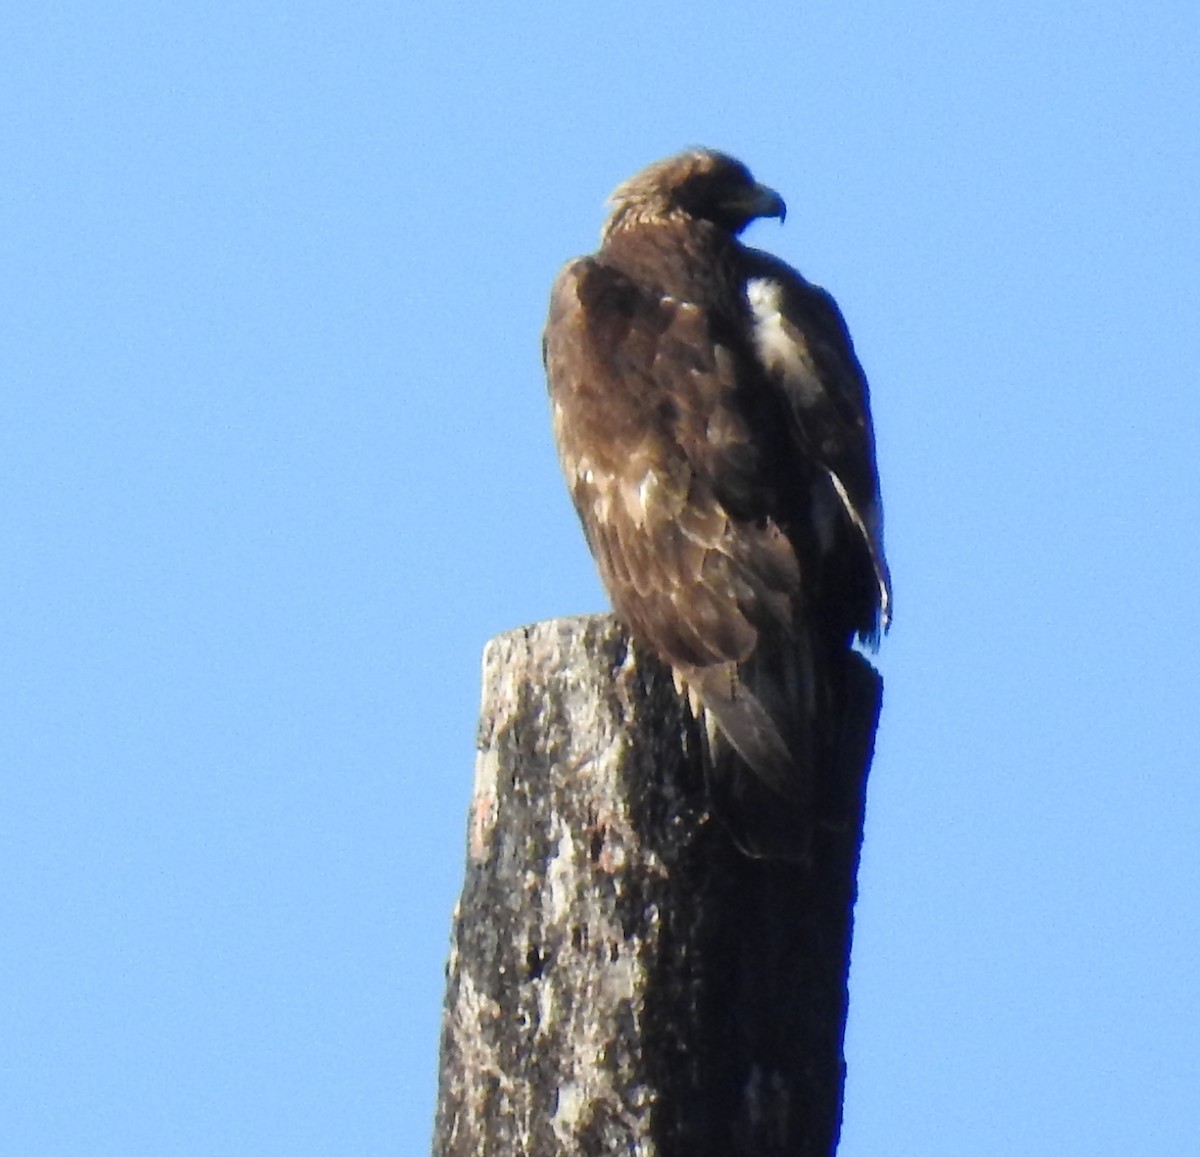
[{"x": 713, "y": 425}]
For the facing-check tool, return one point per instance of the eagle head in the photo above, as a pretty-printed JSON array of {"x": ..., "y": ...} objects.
[{"x": 699, "y": 184}]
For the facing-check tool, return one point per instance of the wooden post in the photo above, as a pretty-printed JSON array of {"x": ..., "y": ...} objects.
[{"x": 622, "y": 979}]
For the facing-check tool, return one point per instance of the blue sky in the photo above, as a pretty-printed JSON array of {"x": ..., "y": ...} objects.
[{"x": 275, "y": 463}]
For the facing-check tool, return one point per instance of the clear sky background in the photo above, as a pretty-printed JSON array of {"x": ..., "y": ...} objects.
[{"x": 275, "y": 463}]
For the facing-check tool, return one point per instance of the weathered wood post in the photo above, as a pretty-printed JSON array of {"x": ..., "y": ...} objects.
[{"x": 622, "y": 979}]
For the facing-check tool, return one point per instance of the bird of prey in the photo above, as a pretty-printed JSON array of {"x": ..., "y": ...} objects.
[{"x": 713, "y": 425}]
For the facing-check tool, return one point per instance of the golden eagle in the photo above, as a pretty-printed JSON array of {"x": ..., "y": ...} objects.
[{"x": 713, "y": 424}]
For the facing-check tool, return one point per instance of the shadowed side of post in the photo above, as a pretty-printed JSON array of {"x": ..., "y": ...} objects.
[{"x": 622, "y": 979}]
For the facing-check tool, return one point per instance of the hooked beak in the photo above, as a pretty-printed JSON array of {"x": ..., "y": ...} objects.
[
  {"x": 755, "y": 201},
  {"x": 765, "y": 202}
]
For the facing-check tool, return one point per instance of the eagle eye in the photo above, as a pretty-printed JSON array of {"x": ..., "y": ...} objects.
[{"x": 711, "y": 195}]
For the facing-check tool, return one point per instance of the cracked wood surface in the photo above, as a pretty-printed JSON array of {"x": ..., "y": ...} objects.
[{"x": 622, "y": 979}]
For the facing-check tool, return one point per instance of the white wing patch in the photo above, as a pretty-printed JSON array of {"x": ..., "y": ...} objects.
[{"x": 782, "y": 352}]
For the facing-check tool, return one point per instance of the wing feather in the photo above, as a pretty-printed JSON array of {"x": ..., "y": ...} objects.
[
  {"x": 668, "y": 478},
  {"x": 807, "y": 351}
]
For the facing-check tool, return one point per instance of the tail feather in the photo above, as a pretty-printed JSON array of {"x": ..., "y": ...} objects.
[
  {"x": 765, "y": 745},
  {"x": 745, "y": 724}
]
